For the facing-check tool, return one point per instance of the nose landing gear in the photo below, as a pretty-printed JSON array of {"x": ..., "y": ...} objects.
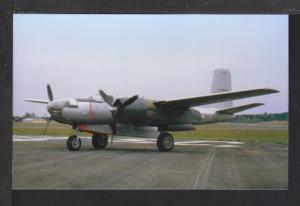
[{"x": 73, "y": 143}]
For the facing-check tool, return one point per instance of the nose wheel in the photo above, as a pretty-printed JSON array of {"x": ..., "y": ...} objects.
[
  {"x": 73, "y": 143},
  {"x": 165, "y": 142}
]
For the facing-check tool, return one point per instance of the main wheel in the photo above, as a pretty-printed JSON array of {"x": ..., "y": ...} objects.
[
  {"x": 99, "y": 141},
  {"x": 165, "y": 142},
  {"x": 73, "y": 143}
]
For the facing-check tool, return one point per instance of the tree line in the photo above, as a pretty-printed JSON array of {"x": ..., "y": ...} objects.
[{"x": 265, "y": 117}]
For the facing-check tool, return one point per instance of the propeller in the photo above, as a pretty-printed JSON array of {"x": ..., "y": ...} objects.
[
  {"x": 117, "y": 107},
  {"x": 107, "y": 98},
  {"x": 129, "y": 101},
  {"x": 47, "y": 125},
  {"x": 50, "y": 95}
]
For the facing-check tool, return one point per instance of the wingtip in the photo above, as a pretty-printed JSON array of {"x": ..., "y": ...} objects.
[{"x": 272, "y": 90}]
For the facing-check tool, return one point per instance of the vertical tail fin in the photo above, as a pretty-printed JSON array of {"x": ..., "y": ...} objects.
[{"x": 221, "y": 83}]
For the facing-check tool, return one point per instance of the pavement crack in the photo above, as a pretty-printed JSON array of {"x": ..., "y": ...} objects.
[{"x": 204, "y": 169}]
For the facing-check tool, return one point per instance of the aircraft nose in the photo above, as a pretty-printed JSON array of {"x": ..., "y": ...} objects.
[{"x": 55, "y": 108}]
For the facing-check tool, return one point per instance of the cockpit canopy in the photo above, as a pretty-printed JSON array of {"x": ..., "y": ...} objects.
[{"x": 91, "y": 98}]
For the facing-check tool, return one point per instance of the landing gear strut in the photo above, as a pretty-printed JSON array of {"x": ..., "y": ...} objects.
[
  {"x": 73, "y": 143},
  {"x": 165, "y": 142},
  {"x": 99, "y": 141}
]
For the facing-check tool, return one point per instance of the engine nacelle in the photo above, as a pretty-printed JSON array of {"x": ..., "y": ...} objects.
[{"x": 88, "y": 112}]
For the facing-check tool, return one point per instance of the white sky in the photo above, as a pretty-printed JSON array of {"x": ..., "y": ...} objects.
[{"x": 155, "y": 56}]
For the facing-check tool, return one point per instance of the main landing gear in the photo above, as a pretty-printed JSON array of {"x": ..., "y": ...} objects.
[
  {"x": 99, "y": 141},
  {"x": 165, "y": 142}
]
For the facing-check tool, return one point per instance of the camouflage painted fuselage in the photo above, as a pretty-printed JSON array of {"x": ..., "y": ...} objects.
[{"x": 142, "y": 112}]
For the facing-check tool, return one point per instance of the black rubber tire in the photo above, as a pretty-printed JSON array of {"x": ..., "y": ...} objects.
[
  {"x": 165, "y": 142},
  {"x": 71, "y": 144},
  {"x": 99, "y": 141}
]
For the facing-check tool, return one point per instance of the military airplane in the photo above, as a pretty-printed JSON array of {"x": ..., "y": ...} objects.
[{"x": 105, "y": 115}]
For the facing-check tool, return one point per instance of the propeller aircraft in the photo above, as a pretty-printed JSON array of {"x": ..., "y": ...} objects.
[{"x": 106, "y": 116}]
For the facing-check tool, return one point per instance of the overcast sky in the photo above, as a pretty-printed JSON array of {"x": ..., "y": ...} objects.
[{"x": 155, "y": 56}]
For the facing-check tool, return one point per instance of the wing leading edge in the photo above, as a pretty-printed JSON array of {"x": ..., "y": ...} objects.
[{"x": 215, "y": 98}]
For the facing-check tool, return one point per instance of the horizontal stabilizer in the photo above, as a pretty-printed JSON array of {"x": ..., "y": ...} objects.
[
  {"x": 41, "y": 101},
  {"x": 233, "y": 110},
  {"x": 214, "y": 98}
]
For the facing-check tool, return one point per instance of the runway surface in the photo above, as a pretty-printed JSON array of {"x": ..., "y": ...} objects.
[{"x": 134, "y": 163}]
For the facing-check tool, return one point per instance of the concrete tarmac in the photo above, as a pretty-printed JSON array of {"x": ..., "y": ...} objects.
[{"x": 135, "y": 163}]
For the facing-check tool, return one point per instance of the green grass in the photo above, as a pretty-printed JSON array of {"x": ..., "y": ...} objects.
[
  {"x": 271, "y": 132},
  {"x": 231, "y": 132},
  {"x": 54, "y": 129}
]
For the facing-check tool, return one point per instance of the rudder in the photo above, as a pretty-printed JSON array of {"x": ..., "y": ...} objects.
[{"x": 221, "y": 83}]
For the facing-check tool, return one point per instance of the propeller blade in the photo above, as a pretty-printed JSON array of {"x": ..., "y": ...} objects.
[
  {"x": 129, "y": 101},
  {"x": 117, "y": 107},
  {"x": 50, "y": 94},
  {"x": 114, "y": 126},
  {"x": 107, "y": 98},
  {"x": 47, "y": 125}
]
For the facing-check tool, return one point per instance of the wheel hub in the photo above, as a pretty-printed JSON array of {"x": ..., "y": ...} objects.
[
  {"x": 168, "y": 142},
  {"x": 101, "y": 141},
  {"x": 75, "y": 143}
]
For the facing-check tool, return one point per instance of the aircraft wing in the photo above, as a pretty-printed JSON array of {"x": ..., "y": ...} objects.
[
  {"x": 214, "y": 98},
  {"x": 233, "y": 110}
]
